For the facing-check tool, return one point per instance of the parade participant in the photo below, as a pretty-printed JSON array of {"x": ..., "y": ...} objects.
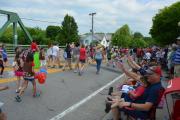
[
  {"x": 4, "y": 55},
  {"x": 2, "y": 66},
  {"x": 34, "y": 46},
  {"x": 76, "y": 57},
  {"x": 49, "y": 56},
  {"x": 42, "y": 57},
  {"x": 18, "y": 70},
  {"x": 82, "y": 58},
  {"x": 67, "y": 56},
  {"x": 28, "y": 76},
  {"x": 98, "y": 58}
]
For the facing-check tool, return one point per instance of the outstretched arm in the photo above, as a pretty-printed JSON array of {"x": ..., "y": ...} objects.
[
  {"x": 129, "y": 73},
  {"x": 133, "y": 63},
  {"x": 143, "y": 107},
  {"x": 4, "y": 88}
]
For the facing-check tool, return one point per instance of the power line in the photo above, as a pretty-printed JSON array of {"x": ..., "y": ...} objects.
[
  {"x": 36, "y": 20},
  {"x": 40, "y": 20}
]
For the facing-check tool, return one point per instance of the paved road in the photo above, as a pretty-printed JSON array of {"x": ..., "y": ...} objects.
[{"x": 62, "y": 90}]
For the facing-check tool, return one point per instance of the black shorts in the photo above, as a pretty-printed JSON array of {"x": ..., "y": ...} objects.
[
  {"x": 5, "y": 59},
  {"x": 82, "y": 61},
  {"x": 31, "y": 79}
]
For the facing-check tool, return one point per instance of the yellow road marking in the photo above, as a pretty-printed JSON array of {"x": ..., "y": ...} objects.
[{"x": 12, "y": 79}]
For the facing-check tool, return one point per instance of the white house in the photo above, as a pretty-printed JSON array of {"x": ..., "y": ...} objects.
[
  {"x": 106, "y": 40},
  {"x": 102, "y": 38}
]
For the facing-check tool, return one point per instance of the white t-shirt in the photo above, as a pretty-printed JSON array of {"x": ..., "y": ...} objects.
[
  {"x": 55, "y": 50},
  {"x": 49, "y": 51},
  {"x": 148, "y": 55}
]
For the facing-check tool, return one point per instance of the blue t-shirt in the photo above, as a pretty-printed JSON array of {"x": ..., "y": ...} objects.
[
  {"x": 98, "y": 55},
  {"x": 151, "y": 94},
  {"x": 4, "y": 54}
]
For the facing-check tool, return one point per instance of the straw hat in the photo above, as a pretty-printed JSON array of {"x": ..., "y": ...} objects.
[{"x": 98, "y": 46}]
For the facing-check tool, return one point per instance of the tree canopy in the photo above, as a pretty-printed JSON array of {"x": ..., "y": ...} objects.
[
  {"x": 122, "y": 36},
  {"x": 69, "y": 30},
  {"x": 165, "y": 28},
  {"x": 52, "y": 31}
]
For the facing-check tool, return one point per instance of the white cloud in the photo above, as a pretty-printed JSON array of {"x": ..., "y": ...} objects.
[{"x": 111, "y": 14}]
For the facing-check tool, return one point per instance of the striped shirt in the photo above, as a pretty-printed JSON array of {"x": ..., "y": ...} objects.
[{"x": 176, "y": 56}]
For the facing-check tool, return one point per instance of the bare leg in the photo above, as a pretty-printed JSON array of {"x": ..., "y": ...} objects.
[
  {"x": 82, "y": 66},
  {"x": 116, "y": 114},
  {"x": 34, "y": 87},
  {"x": 69, "y": 63},
  {"x": 24, "y": 86},
  {"x": 18, "y": 84},
  {"x": 3, "y": 116},
  {"x": 64, "y": 67}
]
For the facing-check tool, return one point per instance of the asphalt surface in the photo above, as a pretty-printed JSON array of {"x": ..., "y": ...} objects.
[{"x": 61, "y": 91}]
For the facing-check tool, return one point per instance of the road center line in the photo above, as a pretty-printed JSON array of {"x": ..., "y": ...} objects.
[{"x": 75, "y": 106}]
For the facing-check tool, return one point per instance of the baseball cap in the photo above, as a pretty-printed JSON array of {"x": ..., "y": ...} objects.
[{"x": 154, "y": 69}]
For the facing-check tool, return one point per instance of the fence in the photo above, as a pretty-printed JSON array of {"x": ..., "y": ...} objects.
[{"x": 11, "y": 47}]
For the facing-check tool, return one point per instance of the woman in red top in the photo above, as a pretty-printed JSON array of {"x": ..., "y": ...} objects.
[{"x": 82, "y": 58}]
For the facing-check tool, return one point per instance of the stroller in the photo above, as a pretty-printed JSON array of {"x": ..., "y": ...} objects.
[{"x": 172, "y": 97}]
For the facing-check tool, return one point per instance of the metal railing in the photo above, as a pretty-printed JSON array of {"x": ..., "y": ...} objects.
[{"x": 10, "y": 48}]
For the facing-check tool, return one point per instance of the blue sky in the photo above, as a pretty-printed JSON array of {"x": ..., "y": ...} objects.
[{"x": 111, "y": 14}]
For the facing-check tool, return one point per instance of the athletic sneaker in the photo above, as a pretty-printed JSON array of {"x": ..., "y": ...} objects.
[
  {"x": 18, "y": 98},
  {"x": 37, "y": 94},
  {"x": 17, "y": 90},
  {"x": 80, "y": 73}
]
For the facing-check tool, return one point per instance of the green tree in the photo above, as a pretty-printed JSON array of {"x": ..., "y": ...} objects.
[
  {"x": 122, "y": 37},
  {"x": 69, "y": 30},
  {"x": 7, "y": 37},
  {"x": 165, "y": 29},
  {"x": 138, "y": 43},
  {"x": 52, "y": 32},
  {"x": 137, "y": 35}
]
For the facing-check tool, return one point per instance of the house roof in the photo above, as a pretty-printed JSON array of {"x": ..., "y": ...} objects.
[
  {"x": 108, "y": 37},
  {"x": 97, "y": 36}
]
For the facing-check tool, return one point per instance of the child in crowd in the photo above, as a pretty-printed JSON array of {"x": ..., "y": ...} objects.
[
  {"x": 42, "y": 57},
  {"x": 17, "y": 65},
  {"x": 28, "y": 76}
]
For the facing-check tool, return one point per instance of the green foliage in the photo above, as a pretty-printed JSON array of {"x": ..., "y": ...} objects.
[
  {"x": 7, "y": 37},
  {"x": 165, "y": 28},
  {"x": 69, "y": 30},
  {"x": 138, "y": 43},
  {"x": 52, "y": 32},
  {"x": 137, "y": 35},
  {"x": 67, "y": 33},
  {"x": 122, "y": 37}
]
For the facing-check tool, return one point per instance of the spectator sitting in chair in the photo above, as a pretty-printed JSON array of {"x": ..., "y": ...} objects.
[
  {"x": 142, "y": 106},
  {"x": 130, "y": 92}
]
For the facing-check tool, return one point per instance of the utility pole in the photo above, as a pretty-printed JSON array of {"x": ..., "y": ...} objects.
[{"x": 92, "y": 29}]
